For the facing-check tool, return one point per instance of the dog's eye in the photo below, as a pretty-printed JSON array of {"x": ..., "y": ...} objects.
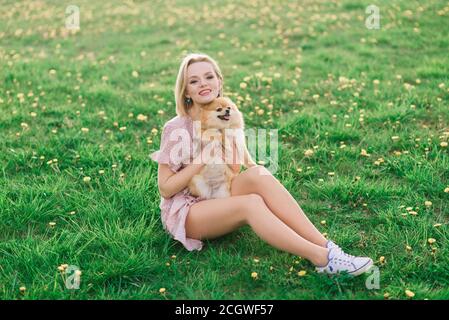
[{"x": 219, "y": 109}]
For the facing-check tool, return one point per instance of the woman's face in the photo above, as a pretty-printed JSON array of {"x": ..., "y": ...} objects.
[{"x": 203, "y": 84}]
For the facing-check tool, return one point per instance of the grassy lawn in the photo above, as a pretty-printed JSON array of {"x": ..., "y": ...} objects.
[{"x": 363, "y": 122}]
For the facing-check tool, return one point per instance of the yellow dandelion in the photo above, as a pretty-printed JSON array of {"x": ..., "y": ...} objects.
[
  {"x": 86, "y": 179},
  {"x": 431, "y": 240},
  {"x": 409, "y": 293},
  {"x": 243, "y": 85},
  {"x": 135, "y": 74},
  {"x": 302, "y": 273},
  {"x": 84, "y": 130},
  {"x": 443, "y": 144},
  {"x": 364, "y": 153},
  {"x": 142, "y": 117},
  {"x": 308, "y": 152},
  {"x": 52, "y": 224},
  {"x": 428, "y": 203},
  {"x": 254, "y": 275}
]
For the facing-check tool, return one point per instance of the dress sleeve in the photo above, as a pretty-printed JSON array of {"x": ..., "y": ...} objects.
[{"x": 166, "y": 153}]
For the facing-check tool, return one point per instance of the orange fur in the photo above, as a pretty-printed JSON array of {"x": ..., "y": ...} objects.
[{"x": 214, "y": 180}]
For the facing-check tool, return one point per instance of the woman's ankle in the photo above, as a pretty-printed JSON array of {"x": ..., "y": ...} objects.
[{"x": 321, "y": 259}]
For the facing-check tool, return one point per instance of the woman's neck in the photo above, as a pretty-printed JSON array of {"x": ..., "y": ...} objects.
[{"x": 194, "y": 112}]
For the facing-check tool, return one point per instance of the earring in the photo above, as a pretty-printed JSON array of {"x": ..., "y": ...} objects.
[{"x": 188, "y": 100}]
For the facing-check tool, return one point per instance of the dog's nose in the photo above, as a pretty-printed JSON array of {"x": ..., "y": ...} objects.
[{"x": 228, "y": 111}]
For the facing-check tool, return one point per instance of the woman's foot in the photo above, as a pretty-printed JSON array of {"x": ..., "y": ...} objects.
[{"x": 338, "y": 261}]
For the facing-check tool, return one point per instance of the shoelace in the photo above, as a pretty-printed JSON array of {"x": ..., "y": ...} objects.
[
  {"x": 340, "y": 261},
  {"x": 348, "y": 256}
]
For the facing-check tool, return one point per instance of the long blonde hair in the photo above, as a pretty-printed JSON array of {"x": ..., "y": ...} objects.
[{"x": 181, "y": 82}]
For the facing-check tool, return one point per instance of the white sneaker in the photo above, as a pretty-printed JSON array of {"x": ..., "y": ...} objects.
[
  {"x": 330, "y": 244},
  {"x": 343, "y": 262}
]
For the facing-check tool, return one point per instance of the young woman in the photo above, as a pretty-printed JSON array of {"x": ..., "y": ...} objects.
[{"x": 257, "y": 199}]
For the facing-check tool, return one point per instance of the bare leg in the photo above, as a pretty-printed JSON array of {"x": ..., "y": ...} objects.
[
  {"x": 212, "y": 218},
  {"x": 260, "y": 181}
]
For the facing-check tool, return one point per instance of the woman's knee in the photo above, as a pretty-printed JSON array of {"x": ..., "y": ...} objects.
[
  {"x": 255, "y": 199},
  {"x": 251, "y": 203},
  {"x": 254, "y": 174}
]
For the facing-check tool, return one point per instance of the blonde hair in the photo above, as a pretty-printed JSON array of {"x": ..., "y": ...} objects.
[{"x": 181, "y": 82}]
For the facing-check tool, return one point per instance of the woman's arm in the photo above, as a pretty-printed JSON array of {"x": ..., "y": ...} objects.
[{"x": 170, "y": 183}]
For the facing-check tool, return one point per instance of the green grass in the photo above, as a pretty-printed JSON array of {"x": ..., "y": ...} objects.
[{"x": 313, "y": 88}]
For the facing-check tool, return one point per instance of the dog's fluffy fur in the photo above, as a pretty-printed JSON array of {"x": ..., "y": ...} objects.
[{"x": 214, "y": 180}]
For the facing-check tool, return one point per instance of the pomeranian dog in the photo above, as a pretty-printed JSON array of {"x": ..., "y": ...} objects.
[{"x": 221, "y": 124}]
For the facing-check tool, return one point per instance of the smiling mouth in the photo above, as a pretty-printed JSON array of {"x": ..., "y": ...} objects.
[
  {"x": 224, "y": 117},
  {"x": 204, "y": 93}
]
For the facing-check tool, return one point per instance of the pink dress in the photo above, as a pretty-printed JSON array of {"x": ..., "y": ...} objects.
[{"x": 174, "y": 210}]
